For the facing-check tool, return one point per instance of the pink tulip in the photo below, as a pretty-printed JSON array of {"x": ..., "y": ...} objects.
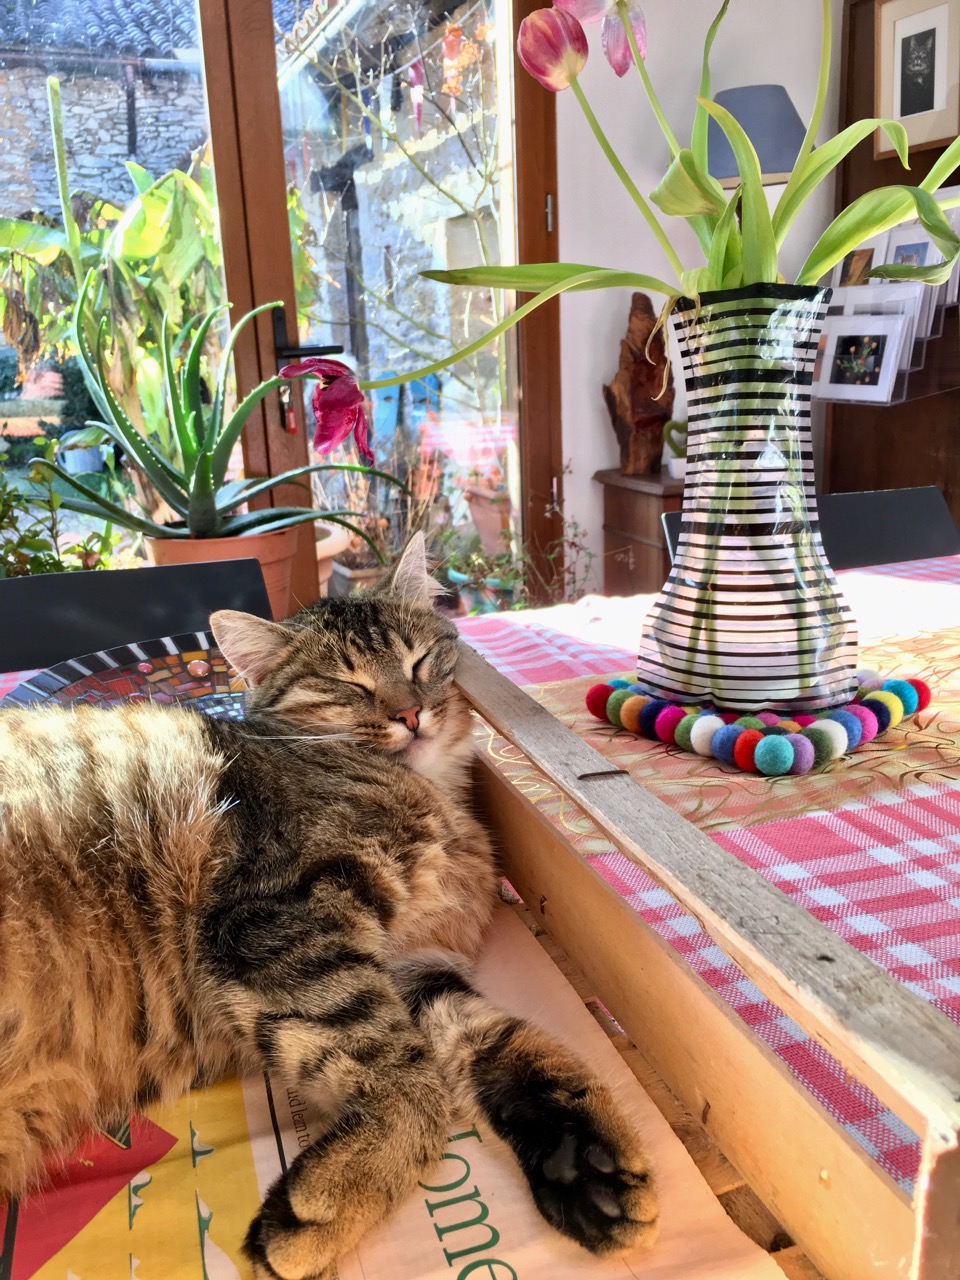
[
  {"x": 613, "y": 37},
  {"x": 338, "y": 404},
  {"x": 552, "y": 47}
]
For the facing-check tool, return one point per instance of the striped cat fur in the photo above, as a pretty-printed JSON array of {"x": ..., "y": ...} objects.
[{"x": 304, "y": 891}]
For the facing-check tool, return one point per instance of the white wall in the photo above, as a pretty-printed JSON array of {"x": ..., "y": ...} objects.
[{"x": 759, "y": 42}]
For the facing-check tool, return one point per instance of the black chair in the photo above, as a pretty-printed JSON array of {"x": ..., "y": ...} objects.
[
  {"x": 879, "y": 526},
  {"x": 55, "y": 616}
]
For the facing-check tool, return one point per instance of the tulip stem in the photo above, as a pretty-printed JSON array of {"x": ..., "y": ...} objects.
[
  {"x": 588, "y": 278},
  {"x": 652, "y": 98},
  {"x": 625, "y": 178}
]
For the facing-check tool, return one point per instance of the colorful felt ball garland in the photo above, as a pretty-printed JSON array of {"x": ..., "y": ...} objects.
[{"x": 769, "y": 743}]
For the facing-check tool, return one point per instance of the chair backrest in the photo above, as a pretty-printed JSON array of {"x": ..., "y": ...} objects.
[
  {"x": 54, "y": 616},
  {"x": 878, "y": 526}
]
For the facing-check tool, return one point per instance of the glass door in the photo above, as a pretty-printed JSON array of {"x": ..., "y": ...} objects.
[
  {"x": 398, "y": 159},
  {"x": 106, "y": 164}
]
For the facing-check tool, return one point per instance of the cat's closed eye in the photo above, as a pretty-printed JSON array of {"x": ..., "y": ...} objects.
[
  {"x": 420, "y": 668},
  {"x": 356, "y": 684}
]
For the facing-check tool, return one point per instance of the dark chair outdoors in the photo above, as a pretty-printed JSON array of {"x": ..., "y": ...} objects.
[
  {"x": 55, "y": 616},
  {"x": 879, "y": 526}
]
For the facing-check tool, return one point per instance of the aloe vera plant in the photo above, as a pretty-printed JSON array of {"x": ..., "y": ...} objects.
[{"x": 195, "y": 484}]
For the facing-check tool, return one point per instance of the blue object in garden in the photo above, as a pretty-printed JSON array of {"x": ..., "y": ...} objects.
[
  {"x": 424, "y": 398},
  {"x": 386, "y": 408}
]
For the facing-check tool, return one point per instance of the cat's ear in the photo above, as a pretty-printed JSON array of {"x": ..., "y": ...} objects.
[
  {"x": 250, "y": 644},
  {"x": 410, "y": 576}
]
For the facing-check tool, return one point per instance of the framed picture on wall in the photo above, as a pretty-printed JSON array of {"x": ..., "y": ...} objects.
[
  {"x": 861, "y": 358},
  {"x": 917, "y": 71}
]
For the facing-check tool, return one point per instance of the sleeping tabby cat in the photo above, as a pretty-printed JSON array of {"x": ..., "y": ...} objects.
[{"x": 182, "y": 897}]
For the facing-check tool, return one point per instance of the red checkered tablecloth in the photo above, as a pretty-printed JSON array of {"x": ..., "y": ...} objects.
[{"x": 872, "y": 850}]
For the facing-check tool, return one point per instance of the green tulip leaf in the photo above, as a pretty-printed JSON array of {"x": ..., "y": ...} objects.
[
  {"x": 811, "y": 171},
  {"x": 867, "y": 216},
  {"x": 942, "y": 234},
  {"x": 759, "y": 246},
  {"x": 698, "y": 138},
  {"x": 140, "y": 178},
  {"x": 725, "y": 254},
  {"x": 685, "y": 191},
  {"x": 537, "y": 276},
  {"x": 943, "y": 167}
]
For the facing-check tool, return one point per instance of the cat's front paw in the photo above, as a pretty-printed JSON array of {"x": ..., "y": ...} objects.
[
  {"x": 283, "y": 1246},
  {"x": 593, "y": 1190},
  {"x": 588, "y": 1174}
]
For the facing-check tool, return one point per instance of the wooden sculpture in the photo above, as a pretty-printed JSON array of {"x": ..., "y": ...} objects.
[{"x": 640, "y": 396}]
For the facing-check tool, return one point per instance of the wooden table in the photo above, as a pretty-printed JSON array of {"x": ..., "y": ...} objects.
[{"x": 558, "y": 802}]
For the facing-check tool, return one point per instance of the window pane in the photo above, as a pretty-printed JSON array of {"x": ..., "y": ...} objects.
[
  {"x": 140, "y": 194},
  {"x": 397, "y": 142}
]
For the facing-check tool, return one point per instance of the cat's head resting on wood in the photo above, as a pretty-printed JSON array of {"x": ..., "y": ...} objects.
[{"x": 378, "y": 666}]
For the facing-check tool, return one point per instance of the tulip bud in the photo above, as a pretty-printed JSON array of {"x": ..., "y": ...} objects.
[{"x": 552, "y": 47}]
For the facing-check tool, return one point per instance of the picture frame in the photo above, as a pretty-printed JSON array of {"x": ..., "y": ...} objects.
[
  {"x": 909, "y": 245},
  {"x": 851, "y": 271},
  {"x": 917, "y": 71},
  {"x": 861, "y": 358},
  {"x": 891, "y": 297}
]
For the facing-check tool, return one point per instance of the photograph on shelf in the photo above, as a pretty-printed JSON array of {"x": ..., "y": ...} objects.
[
  {"x": 910, "y": 246},
  {"x": 917, "y": 59},
  {"x": 820, "y": 358},
  {"x": 892, "y": 298},
  {"x": 950, "y": 291},
  {"x": 861, "y": 359},
  {"x": 854, "y": 267}
]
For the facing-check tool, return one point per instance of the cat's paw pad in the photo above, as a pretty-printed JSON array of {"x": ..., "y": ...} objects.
[{"x": 592, "y": 1188}]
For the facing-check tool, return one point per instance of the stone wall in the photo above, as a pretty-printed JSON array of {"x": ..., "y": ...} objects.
[{"x": 171, "y": 120}]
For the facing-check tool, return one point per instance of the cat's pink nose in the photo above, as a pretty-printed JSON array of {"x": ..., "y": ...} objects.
[{"x": 410, "y": 717}]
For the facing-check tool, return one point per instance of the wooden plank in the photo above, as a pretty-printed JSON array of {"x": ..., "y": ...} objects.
[
  {"x": 905, "y": 1051},
  {"x": 795, "y": 1264},
  {"x": 843, "y": 1211},
  {"x": 937, "y": 1245},
  {"x": 715, "y": 1169}
]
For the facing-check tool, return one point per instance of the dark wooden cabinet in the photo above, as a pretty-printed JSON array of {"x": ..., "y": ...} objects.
[
  {"x": 634, "y": 550},
  {"x": 916, "y": 442}
]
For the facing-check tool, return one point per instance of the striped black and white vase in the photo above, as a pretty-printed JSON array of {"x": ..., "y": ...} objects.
[{"x": 751, "y": 616}]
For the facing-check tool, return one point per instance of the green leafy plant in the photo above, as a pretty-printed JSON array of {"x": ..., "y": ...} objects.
[
  {"x": 675, "y": 437},
  {"x": 32, "y": 539},
  {"x": 512, "y": 577},
  {"x": 194, "y": 485}
]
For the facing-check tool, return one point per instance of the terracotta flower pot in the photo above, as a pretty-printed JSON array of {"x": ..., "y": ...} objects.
[
  {"x": 490, "y": 512},
  {"x": 275, "y": 552}
]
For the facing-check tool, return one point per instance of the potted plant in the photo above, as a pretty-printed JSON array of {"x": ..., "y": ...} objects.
[
  {"x": 32, "y": 540},
  {"x": 675, "y": 438},
  {"x": 206, "y": 522}
]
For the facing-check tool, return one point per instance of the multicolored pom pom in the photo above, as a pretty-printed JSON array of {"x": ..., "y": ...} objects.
[{"x": 767, "y": 743}]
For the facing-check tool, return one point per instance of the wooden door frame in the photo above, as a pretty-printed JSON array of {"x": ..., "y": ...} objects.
[
  {"x": 538, "y": 336},
  {"x": 247, "y": 143}
]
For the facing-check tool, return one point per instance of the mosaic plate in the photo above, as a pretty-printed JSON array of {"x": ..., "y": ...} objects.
[{"x": 184, "y": 668}]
